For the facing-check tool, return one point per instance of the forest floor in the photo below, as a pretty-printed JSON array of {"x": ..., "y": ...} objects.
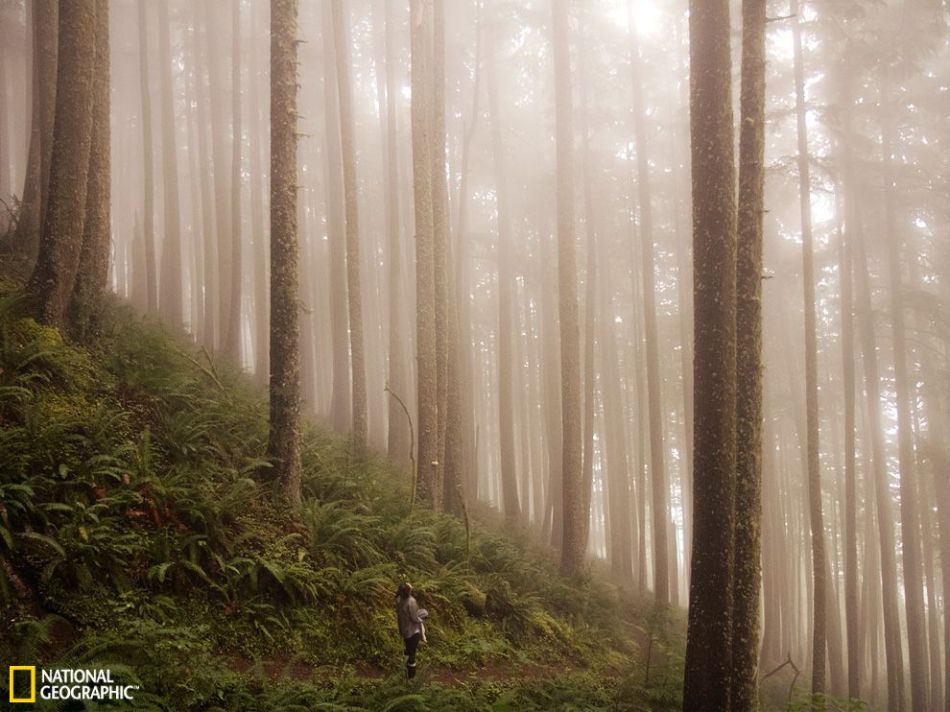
[{"x": 140, "y": 531}]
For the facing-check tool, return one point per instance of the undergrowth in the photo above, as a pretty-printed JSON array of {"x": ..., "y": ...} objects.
[{"x": 140, "y": 529}]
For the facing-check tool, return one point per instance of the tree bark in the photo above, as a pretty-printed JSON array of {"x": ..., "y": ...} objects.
[
  {"x": 427, "y": 489},
  {"x": 93, "y": 271},
  {"x": 746, "y": 624},
  {"x": 576, "y": 521},
  {"x": 284, "y": 442},
  {"x": 709, "y": 639},
  {"x": 53, "y": 278}
]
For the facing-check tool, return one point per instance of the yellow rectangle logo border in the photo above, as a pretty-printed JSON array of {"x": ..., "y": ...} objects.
[{"x": 23, "y": 700}]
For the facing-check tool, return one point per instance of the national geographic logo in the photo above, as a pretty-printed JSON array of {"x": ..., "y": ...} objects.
[{"x": 66, "y": 684}]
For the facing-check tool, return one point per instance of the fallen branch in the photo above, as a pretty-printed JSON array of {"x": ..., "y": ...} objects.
[
  {"x": 788, "y": 662},
  {"x": 412, "y": 444}
]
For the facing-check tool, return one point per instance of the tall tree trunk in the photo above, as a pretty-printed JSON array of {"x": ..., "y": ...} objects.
[
  {"x": 659, "y": 487},
  {"x": 219, "y": 132},
  {"x": 351, "y": 197},
  {"x": 284, "y": 443},
  {"x": 45, "y": 14},
  {"x": 440, "y": 225},
  {"x": 465, "y": 457},
  {"x": 209, "y": 244},
  {"x": 148, "y": 164},
  {"x": 171, "y": 287},
  {"x": 850, "y": 467},
  {"x": 811, "y": 371},
  {"x": 576, "y": 521},
  {"x": 233, "y": 341},
  {"x": 53, "y": 278},
  {"x": 709, "y": 639},
  {"x": 340, "y": 406},
  {"x": 910, "y": 515},
  {"x": 617, "y": 480},
  {"x": 428, "y": 421},
  {"x": 894, "y": 656},
  {"x": 590, "y": 290},
  {"x": 506, "y": 284},
  {"x": 93, "y": 271},
  {"x": 398, "y": 445},
  {"x": 746, "y": 625},
  {"x": 259, "y": 229}
]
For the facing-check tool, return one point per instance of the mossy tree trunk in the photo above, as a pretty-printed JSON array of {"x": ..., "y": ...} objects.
[
  {"x": 746, "y": 625},
  {"x": 93, "y": 270},
  {"x": 709, "y": 634},
  {"x": 427, "y": 367},
  {"x": 576, "y": 521},
  {"x": 284, "y": 441},
  {"x": 51, "y": 283}
]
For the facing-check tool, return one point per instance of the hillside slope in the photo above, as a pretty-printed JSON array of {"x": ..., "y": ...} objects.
[{"x": 139, "y": 530}]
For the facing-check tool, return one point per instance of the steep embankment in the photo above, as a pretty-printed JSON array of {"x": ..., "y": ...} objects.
[{"x": 139, "y": 531}]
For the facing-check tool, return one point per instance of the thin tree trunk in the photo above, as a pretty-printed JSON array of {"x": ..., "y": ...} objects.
[
  {"x": 148, "y": 164},
  {"x": 171, "y": 286},
  {"x": 910, "y": 515},
  {"x": 746, "y": 624},
  {"x": 894, "y": 656},
  {"x": 850, "y": 467},
  {"x": 398, "y": 445},
  {"x": 233, "y": 340},
  {"x": 440, "y": 226},
  {"x": 811, "y": 371},
  {"x": 351, "y": 198},
  {"x": 506, "y": 284},
  {"x": 340, "y": 405},
  {"x": 45, "y": 14},
  {"x": 219, "y": 131},
  {"x": 658, "y": 483}
]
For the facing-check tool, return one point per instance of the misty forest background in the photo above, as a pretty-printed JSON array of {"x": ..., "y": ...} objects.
[{"x": 491, "y": 265}]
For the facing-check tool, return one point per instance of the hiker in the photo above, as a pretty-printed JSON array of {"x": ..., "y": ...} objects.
[{"x": 411, "y": 625}]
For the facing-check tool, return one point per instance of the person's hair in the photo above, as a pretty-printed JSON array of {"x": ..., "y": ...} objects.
[{"x": 404, "y": 590}]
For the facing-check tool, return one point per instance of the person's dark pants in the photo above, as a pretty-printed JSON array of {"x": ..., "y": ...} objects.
[{"x": 411, "y": 644}]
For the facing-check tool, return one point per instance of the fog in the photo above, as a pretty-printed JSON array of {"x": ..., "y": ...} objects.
[{"x": 569, "y": 390}]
